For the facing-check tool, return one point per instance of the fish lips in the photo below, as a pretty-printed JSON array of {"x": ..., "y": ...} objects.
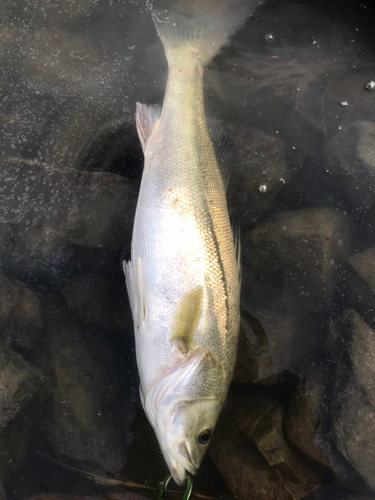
[{"x": 179, "y": 462}]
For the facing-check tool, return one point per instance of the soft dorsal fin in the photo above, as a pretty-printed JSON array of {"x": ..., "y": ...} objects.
[
  {"x": 146, "y": 118},
  {"x": 223, "y": 143},
  {"x": 185, "y": 319}
]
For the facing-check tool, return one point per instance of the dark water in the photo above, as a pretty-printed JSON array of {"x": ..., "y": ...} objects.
[{"x": 295, "y": 85}]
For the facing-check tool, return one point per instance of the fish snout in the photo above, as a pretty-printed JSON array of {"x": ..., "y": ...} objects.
[
  {"x": 180, "y": 463},
  {"x": 179, "y": 473}
]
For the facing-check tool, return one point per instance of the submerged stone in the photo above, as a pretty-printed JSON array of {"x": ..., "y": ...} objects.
[
  {"x": 20, "y": 396},
  {"x": 352, "y": 160},
  {"x": 250, "y": 450},
  {"x": 258, "y": 173},
  {"x": 301, "y": 424},
  {"x": 44, "y": 207},
  {"x": 294, "y": 340},
  {"x": 352, "y": 405},
  {"x": 20, "y": 316},
  {"x": 99, "y": 301},
  {"x": 82, "y": 420},
  {"x": 54, "y": 220},
  {"x": 291, "y": 261}
]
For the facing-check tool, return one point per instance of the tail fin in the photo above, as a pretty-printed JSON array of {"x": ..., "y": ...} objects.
[{"x": 205, "y": 34}]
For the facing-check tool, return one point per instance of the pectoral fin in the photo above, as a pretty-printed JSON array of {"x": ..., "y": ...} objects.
[
  {"x": 135, "y": 285},
  {"x": 185, "y": 319}
]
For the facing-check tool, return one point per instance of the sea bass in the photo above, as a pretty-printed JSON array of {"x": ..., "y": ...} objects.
[{"x": 183, "y": 277}]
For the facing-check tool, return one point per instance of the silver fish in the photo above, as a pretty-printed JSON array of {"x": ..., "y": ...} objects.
[{"x": 183, "y": 277}]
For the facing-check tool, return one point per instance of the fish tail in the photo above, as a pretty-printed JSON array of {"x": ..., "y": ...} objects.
[{"x": 204, "y": 34}]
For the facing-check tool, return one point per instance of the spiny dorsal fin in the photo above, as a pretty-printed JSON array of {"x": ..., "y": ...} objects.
[
  {"x": 223, "y": 143},
  {"x": 185, "y": 319},
  {"x": 146, "y": 118}
]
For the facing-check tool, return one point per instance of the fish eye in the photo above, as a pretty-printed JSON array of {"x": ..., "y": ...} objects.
[{"x": 204, "y": 436}]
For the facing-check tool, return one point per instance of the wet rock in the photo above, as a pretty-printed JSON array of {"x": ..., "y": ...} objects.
[
  {"x": 20, "y": 391},
  {"x": 45, "y": 207},
  {"x": 100, "y": 302},
  {"x": 291, "y": 261},
  {"x": 20, "y": 317},
  {"x": 301, "y": 424},
  {"x": 252, "y": 342},
  {"x": 20, "y": 382},
  {"x": 354, "y": 169},
  {"x": 115, "y": 148},
  {"x": 87, "y": 416},
  {"x": 294, "y": 340},
  {"x": 258, "y": 172},
  {"x": 47, "y": 213},
  {"x": 250, "y": 451},
  {"x": 360, "y": 279},
  {"x": 352, "y": 405}
]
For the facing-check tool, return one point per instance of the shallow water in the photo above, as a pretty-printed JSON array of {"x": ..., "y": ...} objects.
[{"x": 294, "y": 85}]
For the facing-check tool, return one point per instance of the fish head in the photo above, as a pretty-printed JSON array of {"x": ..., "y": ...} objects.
[
  {"x": 183, "y": 407},
  {"x": 185, "y": 433}
]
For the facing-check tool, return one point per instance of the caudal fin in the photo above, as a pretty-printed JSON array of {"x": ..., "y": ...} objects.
[{"x": 206, "y": 33}]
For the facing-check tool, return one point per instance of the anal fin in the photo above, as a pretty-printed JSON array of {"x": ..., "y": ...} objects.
[{"x": 146, "y": 118}]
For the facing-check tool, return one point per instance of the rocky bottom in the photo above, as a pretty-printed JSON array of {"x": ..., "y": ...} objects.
[{"x": 295, "y": 86}]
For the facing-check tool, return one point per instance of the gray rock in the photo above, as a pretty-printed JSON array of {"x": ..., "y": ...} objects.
[
  {"x": 251, "y": 452},
  {"x": 291, "y": 261},
  {"x": 360, "y": 279},
  {"x": 20, "y": 383},
  {"x": 354, "y": 169},
  {"x": 352, "y": 406},
  {"x": 46, "y": 210},
  {"x": 115, "y": 148},
  {"x": 44, "y": 207},
  {"x": 252, "y": 343},
  {"x": 20, "y": 397},
  {"x": 301, "y": 424},
  {"x": 258, "y": 172},
  {"x": 364, "y": 264},
  {"x": 82, "y": 419},
  {"x": 294, "y": 341},
  {"x": 20, "y": 317},
  {"x": 97, "y": 301}
]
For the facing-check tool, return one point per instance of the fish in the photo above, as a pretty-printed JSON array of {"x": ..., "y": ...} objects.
[{"x": 183, "y": 277}]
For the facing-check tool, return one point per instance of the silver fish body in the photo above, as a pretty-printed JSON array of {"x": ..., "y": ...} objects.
[{"x": 183, "y": 277}]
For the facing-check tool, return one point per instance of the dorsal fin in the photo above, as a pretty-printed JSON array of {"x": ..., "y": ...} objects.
[
  {"x": 223, "y": 144},
  {"x": 146, "y": 118}
]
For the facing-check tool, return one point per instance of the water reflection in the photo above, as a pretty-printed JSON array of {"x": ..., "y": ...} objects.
[{"x": 295, "y": 84}]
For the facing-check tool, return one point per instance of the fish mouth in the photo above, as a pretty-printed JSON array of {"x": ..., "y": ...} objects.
[{"x": 180, "y": 463}]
